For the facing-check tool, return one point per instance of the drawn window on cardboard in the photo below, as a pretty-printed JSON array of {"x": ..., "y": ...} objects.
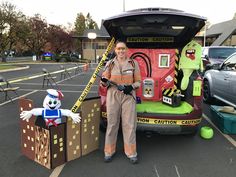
[{"x": 164, "y": 60}]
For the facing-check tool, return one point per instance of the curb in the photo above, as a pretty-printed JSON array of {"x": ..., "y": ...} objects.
[{"x": 15, "y": 69}]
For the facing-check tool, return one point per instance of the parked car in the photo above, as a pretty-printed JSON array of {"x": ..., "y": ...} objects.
[
  {"x": 220, "y": 82},
  {"x": 216, "y": 54},
  {"x": 68, "y": 57},
  {"x": 153, "y": 37}
]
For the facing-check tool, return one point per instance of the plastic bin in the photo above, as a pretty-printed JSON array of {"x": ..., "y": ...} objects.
[{"x": 224, "y": 121}]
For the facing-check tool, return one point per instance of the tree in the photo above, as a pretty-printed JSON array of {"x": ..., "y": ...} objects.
[
  {"x": 80, "y": 24},
  {"x": 90, "y": 23},
  {"x": 36, "y": 34},
  {"x": 10, "y": 22},
  {"x": 23, "y": 32},
  {"x": 59, "y": 39}
]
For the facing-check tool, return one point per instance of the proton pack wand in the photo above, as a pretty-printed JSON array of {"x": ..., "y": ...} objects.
[{"x": 119, "y": 87}]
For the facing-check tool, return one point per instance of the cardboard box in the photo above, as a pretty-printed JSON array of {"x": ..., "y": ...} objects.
[
  {"x": 52, "y": 146},
  {"x": 224, "y": 121},
  {"x": 27, "y": 130},
  {"x": 73, "y": 140},
  {"x": 90, "y": 113}
]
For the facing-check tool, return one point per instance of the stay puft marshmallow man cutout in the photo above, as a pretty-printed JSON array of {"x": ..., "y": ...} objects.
[{"x": 50, "y": 111}]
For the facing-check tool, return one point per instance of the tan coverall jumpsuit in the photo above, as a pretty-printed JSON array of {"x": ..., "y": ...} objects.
[{"x": 120, "y": 105}]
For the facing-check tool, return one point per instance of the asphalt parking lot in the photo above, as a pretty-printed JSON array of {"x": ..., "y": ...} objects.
[{"x": 159, "y": 155}]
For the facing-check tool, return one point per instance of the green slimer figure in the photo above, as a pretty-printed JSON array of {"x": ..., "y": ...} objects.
[{"x": 190, "y": 60}]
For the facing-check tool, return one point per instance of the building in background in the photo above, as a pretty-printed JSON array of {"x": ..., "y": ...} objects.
[
  {"x": 222, "y": 34},
  {"x": 92, "y": 49}
]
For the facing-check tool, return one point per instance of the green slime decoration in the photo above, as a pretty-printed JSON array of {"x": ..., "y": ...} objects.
[{"x": 190, "y": 60}]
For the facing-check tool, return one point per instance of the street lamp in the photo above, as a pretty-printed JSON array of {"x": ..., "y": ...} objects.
[{"x": 93, "y": 36}]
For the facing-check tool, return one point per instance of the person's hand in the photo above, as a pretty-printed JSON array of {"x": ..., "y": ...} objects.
[
  {"x": 105, "y": 82},
  {"x": 128, "y": 89},
  {"x": 103, "y": 79},
  {"x": 120, "y": 87}
]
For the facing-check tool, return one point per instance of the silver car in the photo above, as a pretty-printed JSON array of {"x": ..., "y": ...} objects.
[
  {"x": 216, "y": 54},
  {"x": 220, "y": 82}
]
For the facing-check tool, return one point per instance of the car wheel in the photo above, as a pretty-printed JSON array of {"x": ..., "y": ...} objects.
[{"x": 207, "y": 92}]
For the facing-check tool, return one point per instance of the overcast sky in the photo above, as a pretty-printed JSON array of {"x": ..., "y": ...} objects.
[{"x": 64, "y": 11}]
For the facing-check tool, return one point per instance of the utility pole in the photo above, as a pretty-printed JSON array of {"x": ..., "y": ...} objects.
[{"x": 123, "y": 5}]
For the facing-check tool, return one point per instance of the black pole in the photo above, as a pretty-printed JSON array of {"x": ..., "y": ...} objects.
[{"x": 95, "y": 52}]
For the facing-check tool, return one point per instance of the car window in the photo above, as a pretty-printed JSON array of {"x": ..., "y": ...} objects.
[
  {"x": 230, "y": 64},
  {"x": 221, "y": 53}
]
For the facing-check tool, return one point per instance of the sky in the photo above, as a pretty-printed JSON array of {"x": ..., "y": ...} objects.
[{"x": 63, "y": 12}]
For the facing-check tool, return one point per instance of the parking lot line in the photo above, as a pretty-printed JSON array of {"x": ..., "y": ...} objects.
[
  {"x": 16, "y": 98},
  {"x": 56, "y": 172},
  {"x": 66, "y": 91},
  {"x": 231, "y": 140},
  {"x": 177, "y": 171},
  {"x": 71, "y": 85},
  {"x": 155, "y": 168}
]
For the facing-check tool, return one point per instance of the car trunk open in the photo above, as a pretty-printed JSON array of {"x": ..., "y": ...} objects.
[{"x": 154, "y": 27}]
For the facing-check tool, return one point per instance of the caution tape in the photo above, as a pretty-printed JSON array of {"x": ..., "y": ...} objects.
[
  {"x": 143, "y": 120},
  {"x": 191, "y": 122},
  {"x": 150, "y": 39},
  {"x": 93, "y": 78}
]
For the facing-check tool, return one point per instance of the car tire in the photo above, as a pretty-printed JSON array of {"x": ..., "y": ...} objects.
[{"x": 207, "y": 98}]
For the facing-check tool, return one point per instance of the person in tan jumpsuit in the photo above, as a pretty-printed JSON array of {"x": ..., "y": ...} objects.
[{"x": 121, "y": 103}]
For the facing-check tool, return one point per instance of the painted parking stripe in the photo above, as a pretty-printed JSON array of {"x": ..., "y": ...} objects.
[
  {"x": 71, "y": 85},
  {"x": 66, "y": 91},
  {"x": 41, "y": 75},
  {"x": 16, "y": 98},
  {"x": 156, "y": 172},
  {"x": 56, "y": 172},
  {"x": 231, "y": 140},
  {"x": 34, "y": 91}
]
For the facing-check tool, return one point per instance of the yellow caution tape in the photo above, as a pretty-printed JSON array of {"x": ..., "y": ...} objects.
[
  {"x": 150, "y": 39},
  {"x": 93, "y": 77},
  {"x": 143, "y": 120}
]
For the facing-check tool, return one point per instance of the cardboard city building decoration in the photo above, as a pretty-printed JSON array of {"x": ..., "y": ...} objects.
[{"x": 54, "y": 144}]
